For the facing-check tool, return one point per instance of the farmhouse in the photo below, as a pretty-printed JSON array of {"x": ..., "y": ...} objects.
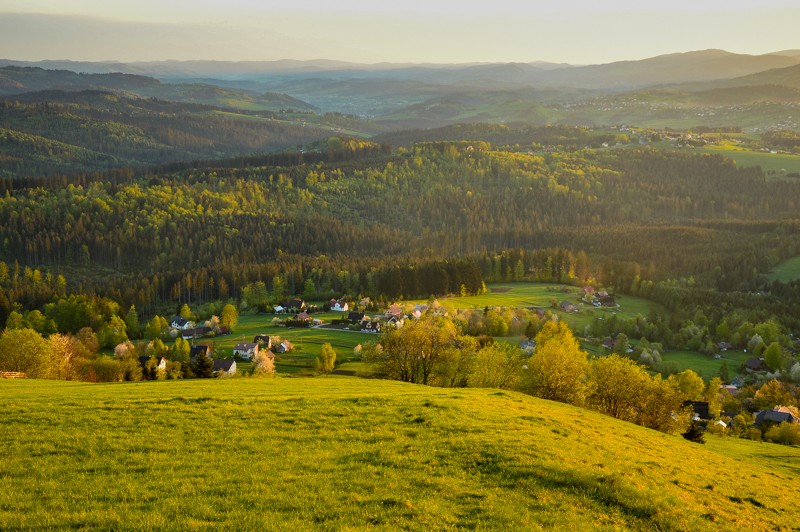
[
  {"x": 394, "y": 311},
  {"x": 284, "y": 347},
  {"x": 700, "y": 410},
  {"x": 339, "y": 306},
  {"x": 245, "y": 350},
  {"x": 355, "y": 317},
  {"x": 181, "y": 323},
  {"x": 197, "y": 332},
  {"x": 225, "y": 367},
  {"x": 263, "y": 340},
  {"x": 755, "y": 364},
  {"x": 566, "y": 306},
  {"x": 371, "y": 326},
  {"x": 777, "y": 415},
  {"x": 161, "y": 362},
  {"x": 196, "y": 350},
  {"x": 302, "y": 317}
]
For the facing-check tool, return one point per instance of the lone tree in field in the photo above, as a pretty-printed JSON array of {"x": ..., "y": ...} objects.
[
  {"x": 326, "y": 359},
  {"x": 229, "y": 317},
  {"x": 558, "y": 369}
]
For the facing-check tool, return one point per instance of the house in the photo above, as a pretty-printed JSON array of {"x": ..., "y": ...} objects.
[
  {"x": 284, "y": 347},
  {"x": 302, "y": 317},
  {"x": 566, "y": 306},
  {"x": 395, "y": 321},
  {"x": 225, "y": 367},
  {"x": 529, "y": 346},
  {"x": 263, "y": 340},
  {"x": 278, "y": 309},
  {"x": 161, "y": 362},
  {"x": 607, "y": 300},
  {"x": 223, "y": 330},
  {"x": 355, "y": 317},
  {"x": 196, "y": 350},
  {"x": 371, "y": 326},
  {"x": 700, "y": 410},
  {"x": 724, "y": 346},
  {"x": 755, "y": 364},
  {"x": 245, "y": 350},
  {"x": 775, "y": 416},
  {"x": 339, "y": 306},
  {"x": 394, "y": 311},
  {"x": 197, "y": 332},
  {"x": 608, "y": 343},
  {"x": 181, "y": 323}
]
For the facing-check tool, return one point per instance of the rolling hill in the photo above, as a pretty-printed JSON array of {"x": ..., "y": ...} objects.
[
  {"x": 61, "y": 132},
  {"x": 351, "y": 453},
  {"x": 19, "y": 80}
]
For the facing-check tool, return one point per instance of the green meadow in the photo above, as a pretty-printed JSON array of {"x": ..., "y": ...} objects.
[
  {"x": 515, "y": 295},
  {"x": 777, "y": 163},
  {"x": 353, "y": 454},
  {"x": 307, "y": 341},
  {"x": 786, "y": 271},
  {"x": 704, "y": 365}
]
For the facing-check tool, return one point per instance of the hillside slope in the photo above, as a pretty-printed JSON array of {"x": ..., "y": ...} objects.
[{"x": 351, "y": 453}]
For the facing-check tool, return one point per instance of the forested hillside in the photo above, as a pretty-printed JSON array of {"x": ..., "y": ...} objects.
[
  {"x": 62, "y": 133},
  {"x": 353, "y": 213}
]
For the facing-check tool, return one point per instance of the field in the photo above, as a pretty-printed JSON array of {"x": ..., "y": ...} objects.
[
  {"x": 307, "y": 341},
  {"x": 778, "y": 164},
  {"x": 706, "y": 366},
  {"x": 346, "y": 453},
  {"x": 786, "y": 271},
  {"x": 516, "y": 295}
]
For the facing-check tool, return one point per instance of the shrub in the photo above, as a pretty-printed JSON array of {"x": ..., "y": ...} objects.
[{"x": 784, "y": 433}]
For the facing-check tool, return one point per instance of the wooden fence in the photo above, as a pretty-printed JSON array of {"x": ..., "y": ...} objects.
[{"x": 12, "y": 375}]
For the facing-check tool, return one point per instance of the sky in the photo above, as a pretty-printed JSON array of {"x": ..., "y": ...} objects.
[{"x": 407, "y": 31}]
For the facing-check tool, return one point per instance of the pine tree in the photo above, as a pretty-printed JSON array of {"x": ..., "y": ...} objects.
[{"x": 694, "y": 434}]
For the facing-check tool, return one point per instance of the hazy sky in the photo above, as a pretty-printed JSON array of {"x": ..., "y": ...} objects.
[{"x": 572, "y": 31}]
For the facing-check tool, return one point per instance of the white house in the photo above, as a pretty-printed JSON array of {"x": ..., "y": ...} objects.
[
  {"x": 339, "y": 306},
  {"x": 181, "y": 323},
  {"x": 225, "y": 367},
  {"x": 246, "y": 350}
]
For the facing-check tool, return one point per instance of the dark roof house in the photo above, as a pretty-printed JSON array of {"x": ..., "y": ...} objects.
[
  {"x": 226, "y": 366},
  {"x": 197, "y": 349},
  {"x": 775, "y": 416}
]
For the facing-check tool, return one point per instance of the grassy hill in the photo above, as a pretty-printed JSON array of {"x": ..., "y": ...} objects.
[{"x": 349, "y": 453}]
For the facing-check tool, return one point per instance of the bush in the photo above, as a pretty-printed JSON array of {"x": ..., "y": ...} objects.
[
  {"x": 753, "y": 434},
  {"x": 784, "y": 433}
]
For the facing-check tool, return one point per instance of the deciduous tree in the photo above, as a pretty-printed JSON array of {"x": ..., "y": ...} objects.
[{"x": 558, "y": 369}]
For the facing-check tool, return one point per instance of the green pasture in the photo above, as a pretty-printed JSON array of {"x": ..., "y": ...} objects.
[
  {"x": 307, "y": 341},
  {"x": 342, "y": 453},
  {"x": 786, "y": 271},
  {"x": 540, "y": 295},
  {"x": 704, "y": 365},
  {"x": 779, "y": 163}
]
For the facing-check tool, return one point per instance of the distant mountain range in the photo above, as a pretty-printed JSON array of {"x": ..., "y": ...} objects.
[
  {"x": 686, "y": 67},
  {"x": 712, "y": 88}
]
